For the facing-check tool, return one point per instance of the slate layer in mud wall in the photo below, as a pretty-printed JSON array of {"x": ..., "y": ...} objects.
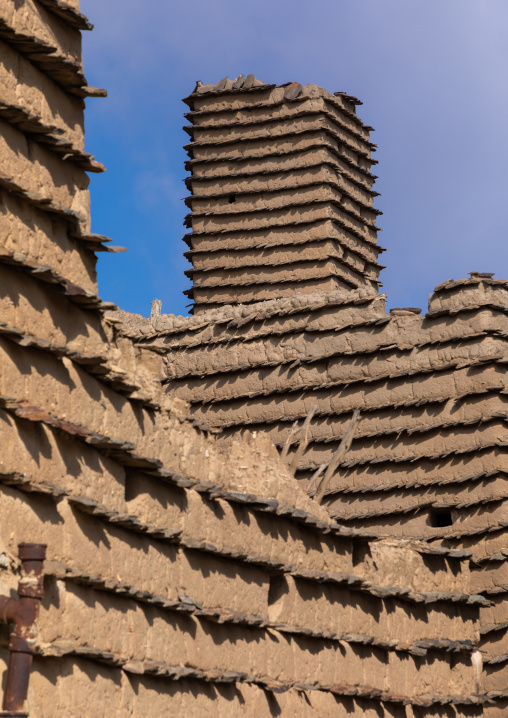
[
  {"x": 281, "y": 193},
  {"x": 489, "y": 576},
  {"x": 179, "y": 575},
  {"x": 431, "y": 391},
  {"x": 162, "y": 569},
  {"x": 167, "y": 585},
  {"x": 430, "y": 448}
]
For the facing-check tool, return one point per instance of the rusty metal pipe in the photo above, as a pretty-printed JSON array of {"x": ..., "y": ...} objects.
[{"x": 23, "y": 613}]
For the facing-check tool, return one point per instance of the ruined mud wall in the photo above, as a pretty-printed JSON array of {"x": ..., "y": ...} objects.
[
  {"x": 429, "y": 456},
  {"x": 431, "y": 391},
  {"x": 281, "y": 193},
  {"x": 184, "y": 576}
]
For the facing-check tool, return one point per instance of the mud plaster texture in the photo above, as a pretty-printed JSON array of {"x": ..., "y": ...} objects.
[{"x": 189, "y": 570}]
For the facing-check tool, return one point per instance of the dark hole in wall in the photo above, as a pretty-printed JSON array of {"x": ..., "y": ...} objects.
[
  {"x": 278, "y": 588},
  {"x": 232, "y": 199},
  {"x": 438, "y": 519},
  {"x": 360, "y": 553}
]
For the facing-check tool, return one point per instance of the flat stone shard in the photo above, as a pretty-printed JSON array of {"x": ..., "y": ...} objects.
[
  {"x": 173, "y": 464},
  {"x": 238, "y": 83},
  {"x": 249, "y": 82},
  {"x": 293, "y": 91},
  {"x": 155, "y": 311},
  {"x": 221, "y": 84}
]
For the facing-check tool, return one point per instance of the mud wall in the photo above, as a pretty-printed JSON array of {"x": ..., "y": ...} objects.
[
  {"x": 428, "y": 459},
  {"x": 431, "y": 391},
  {"x": 185, "y": 574},
  {"x": 281, "y": 193}
]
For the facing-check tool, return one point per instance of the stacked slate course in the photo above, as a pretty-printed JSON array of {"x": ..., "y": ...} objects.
[
  {"x": 281, "y": 193},
  {"x": 192, "y": 568}
]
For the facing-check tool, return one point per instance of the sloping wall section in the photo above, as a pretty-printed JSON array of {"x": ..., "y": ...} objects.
[
  {"x": 185, "y": 575},
  {"x": 428, "y": 460},
  {"x": 431, "y": 391}
]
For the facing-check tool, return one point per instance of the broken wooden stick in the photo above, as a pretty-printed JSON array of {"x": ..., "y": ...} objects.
[
  {"x": 304, "y": 441},
  {"x": 314, "y": 478},
  {"x": 344, "y": 447},
  {"x": 291, "y": 437}
]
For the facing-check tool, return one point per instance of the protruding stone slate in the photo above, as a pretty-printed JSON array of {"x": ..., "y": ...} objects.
[
  {"x": 293, "y": 91},
  {"x": 238, "y": 83},
  {"x": 249, "y": 81},
  {"x": 221, "y": 84}
]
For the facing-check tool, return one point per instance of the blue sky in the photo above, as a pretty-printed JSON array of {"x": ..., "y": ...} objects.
[{"x": 432, "y": 77}]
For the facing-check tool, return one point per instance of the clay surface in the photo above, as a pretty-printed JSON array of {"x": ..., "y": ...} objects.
[
  {"x": 254, "y": 136},
  {"x": 191, "y": 568}
]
